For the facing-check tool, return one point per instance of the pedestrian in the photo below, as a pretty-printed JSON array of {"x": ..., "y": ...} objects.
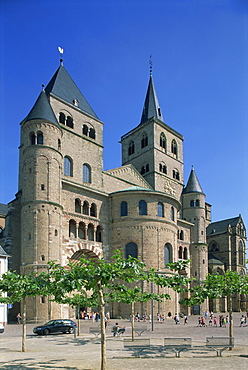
[
  {"x": 242, "y": 320},
  {"x": 185, "y": 319},
  {"x": 215, "y": 321},
  {"x": 176, "y": 319},
  {"x": 18, "y": 318}
]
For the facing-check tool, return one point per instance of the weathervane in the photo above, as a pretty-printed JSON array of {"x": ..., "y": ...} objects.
[
  {"x": 61, "y": 52},
  {"x": 150, "y": 62}
]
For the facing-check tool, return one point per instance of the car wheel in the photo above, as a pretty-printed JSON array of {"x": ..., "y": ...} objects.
[
  {"x": 46, "y": 331},
  {"x": 70, "y": 330}
]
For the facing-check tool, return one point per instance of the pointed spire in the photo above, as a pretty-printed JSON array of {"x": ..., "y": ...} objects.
[
  {"x": 151, "y": 105},
  {"x": 193, "y": 184},
  {"x": 62, "y": 86},
  {"x": 42, "y": 110}
]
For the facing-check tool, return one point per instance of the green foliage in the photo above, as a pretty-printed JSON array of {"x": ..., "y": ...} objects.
[
  {"x": 217, "y": 285},
  {"x": 19, "y": 286}
]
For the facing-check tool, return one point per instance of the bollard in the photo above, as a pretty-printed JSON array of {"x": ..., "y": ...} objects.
[{"x": 75, "y": 332}]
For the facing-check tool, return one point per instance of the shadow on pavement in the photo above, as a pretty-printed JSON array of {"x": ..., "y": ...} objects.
[{"x": 31, "y": 364}]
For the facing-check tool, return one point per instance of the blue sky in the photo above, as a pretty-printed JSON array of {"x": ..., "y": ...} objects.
[{"x": 200, "y": 67}]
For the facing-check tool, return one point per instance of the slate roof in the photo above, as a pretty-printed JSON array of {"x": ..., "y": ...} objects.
[
  {"x": 62, "y": 86},
  {"x": 42, "y": 110},
  {"x": 2, "y": 252},
  {"x": 151, "y": 105},
  {"x": 193, "y": 184},
  {"x": 212, "y": 260},
  {"x": 3, "y": 209},
  {"x": 220, "y": 227}
]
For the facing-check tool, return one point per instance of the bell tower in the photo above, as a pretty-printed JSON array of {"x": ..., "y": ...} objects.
[{"x": 154, "y": 148}]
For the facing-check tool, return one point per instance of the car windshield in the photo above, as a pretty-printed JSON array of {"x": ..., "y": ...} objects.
[{"x": 49, "y": 322}]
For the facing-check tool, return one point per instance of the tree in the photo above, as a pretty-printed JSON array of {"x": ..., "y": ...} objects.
[
  {"x": 19, "y": 287},
  {"x": 216, "y": 286},
  {"x": 108, "y": 281}
]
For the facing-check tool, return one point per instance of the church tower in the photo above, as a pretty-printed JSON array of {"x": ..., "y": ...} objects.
[
  {"x": 194, "y": 211},
  {"x": 60, "y": 158},
  {"x": 155, "y": 149}
]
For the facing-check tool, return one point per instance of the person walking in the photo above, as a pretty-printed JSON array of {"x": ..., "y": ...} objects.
[{"x": 18, "y": 318}]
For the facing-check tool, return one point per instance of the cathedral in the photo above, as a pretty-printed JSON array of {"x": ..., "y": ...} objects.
[{"x": 67, "y": 205}]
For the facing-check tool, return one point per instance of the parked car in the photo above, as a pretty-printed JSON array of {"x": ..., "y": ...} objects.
[
  {"x": 56, "y": 326},
  {"x": 1, "y": 328}
]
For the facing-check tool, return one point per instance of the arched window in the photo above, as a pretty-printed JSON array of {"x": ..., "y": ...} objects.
[
  {"x": 174, "y": 147},
  {"x": 181, "y": 236},
  {"x": 131, "y": 249},
  {"x": 167, "y": 254},
  {"x": 82, "y": 230},
  {"x": 92, "y": 133},
  {"x": 172, "y": 214},
  {"x": 86, "y": 208},
  {"x": 214, "y": 247},
  {"x": 180, "y": 252},
  {"x": 131, "y": 148},
  {"x": 90, "y": 232},
  {"x": 185, "y": 253},
  {"x": 241, "y": 254},
  {"x": 69, "y": 121},
  {"x": 93, "y": 210},
  {"x": 176, "y": 174},
  {"x": 143, "y": 170},
  {"x": 39, "y": 138},
  {"x": 160, "y": 209},
  {"x": 124, "y": 209},
  {"x": 163, "y": 140},
  {"x": 86, "y": 173},
  {"x": 68, "y": 166},
  {"x": 192, "y": 203},
  {"x": 144, "y": 140},
  {"x": 78, "y": 205},
  {"x": 99, "y": 234},
  {"x": 142, "y": 208},
  {"x": 72, "y": 229},
  {"x": 197, "y": 203},
  {"x": 85, "y": 130},
  {"x": 62, "y": 118},
  {"x": 32, "y": 138}
]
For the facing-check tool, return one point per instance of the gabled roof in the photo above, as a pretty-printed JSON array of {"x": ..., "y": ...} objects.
[
  {"x": 62, "y": 86},
  {"x": 193, "y": 184},
  {"x": 42, "y": 110},
  {"x": 221, "y": 227},
  {"x": 3, "y": 253},
  {"x": 151, "y": 105}
]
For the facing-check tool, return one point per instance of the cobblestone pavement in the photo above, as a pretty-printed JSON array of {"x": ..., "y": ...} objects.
[{"x": 59, "y": 351}]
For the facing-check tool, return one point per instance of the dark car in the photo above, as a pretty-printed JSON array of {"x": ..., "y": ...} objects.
[{"x": 56, "y": 326}]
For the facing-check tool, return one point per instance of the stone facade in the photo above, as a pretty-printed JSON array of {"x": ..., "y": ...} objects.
[{"x": 67, "y": 205}]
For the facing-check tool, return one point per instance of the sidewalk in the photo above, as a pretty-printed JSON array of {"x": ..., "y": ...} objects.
[{"x": 59, "y": 351}]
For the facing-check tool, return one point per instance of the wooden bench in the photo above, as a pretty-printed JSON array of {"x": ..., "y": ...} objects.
[
  {"x": 137, "y": 345},
  {"x": 177, "y": 345},
  {"x": 96, "y": 330},
  {"x": 140, "y": 329},
  {"x": 219, "y": 344}
]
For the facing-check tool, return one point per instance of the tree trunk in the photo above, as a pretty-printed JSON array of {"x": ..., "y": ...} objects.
[
  {"x": 103, "y": 331},
  {"x": 78, "y": 321},
  {"x": 229, "y": 297},
  {"x": 132, "y": 314},
  {"x": 24, "y": 324}
]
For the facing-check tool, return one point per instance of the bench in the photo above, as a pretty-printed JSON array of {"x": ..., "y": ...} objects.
[
  {"x": 96, "y": 330},
  {"x": 140, "y": 329},
  {"x": 137, "y": 345},
  {"x": 219, "y": 344},
  {"x": 177, "y": 345}
]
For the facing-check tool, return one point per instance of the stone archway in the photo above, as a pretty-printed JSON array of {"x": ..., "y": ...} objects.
[{"x": 75, "y": 251}]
